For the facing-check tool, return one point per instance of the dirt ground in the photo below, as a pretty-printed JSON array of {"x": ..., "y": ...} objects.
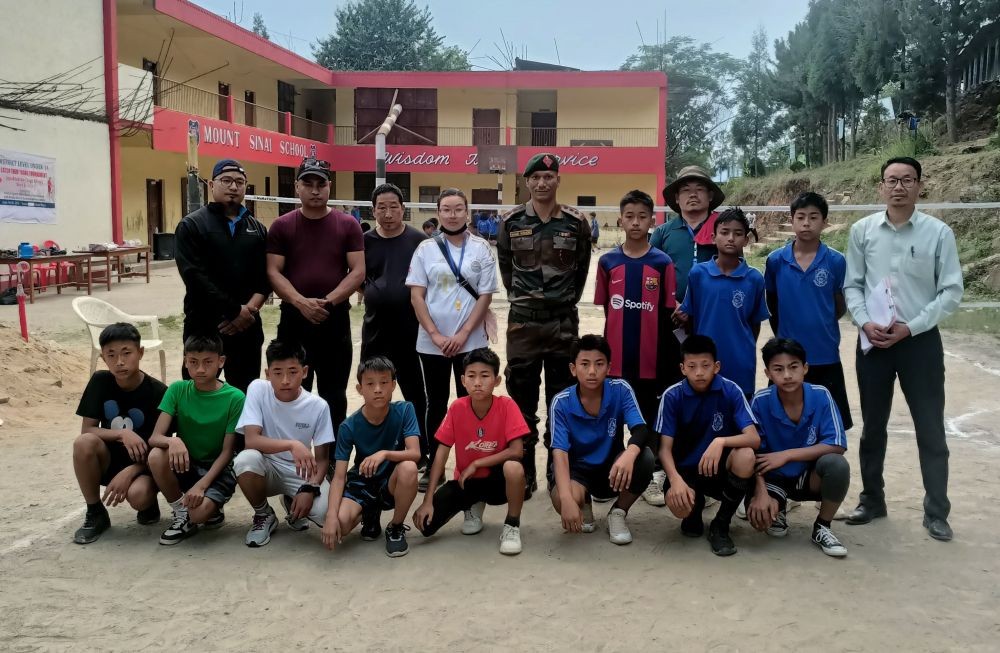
[{"x": 896, "y": 590}]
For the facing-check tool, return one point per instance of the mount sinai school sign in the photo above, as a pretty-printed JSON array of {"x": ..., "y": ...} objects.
[{"x": 221, "y": 139}]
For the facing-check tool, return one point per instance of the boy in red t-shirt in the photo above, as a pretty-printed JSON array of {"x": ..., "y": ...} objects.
[{"x": 486, "y": 431}]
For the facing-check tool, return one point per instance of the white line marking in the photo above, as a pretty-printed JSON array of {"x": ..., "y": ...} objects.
[
  {"x": 48, "y": 528},
  {"x": 988, "y": 370}
]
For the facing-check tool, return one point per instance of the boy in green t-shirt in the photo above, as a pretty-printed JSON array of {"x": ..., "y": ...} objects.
[{"x": 193, "y": 467}]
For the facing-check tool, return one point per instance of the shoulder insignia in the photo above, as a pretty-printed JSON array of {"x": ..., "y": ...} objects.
[
  {"x": 517, "y": 210},
  {"x": 573, "y": 211}
]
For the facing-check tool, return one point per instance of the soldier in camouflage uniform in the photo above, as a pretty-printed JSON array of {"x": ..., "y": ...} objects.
[{"x": 544, "y": 255}]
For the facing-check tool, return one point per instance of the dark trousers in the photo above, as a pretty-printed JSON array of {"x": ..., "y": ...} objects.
[
  {"x": 532, "y": 346},
  {"x": 403, "y": 354},
  {"x": 918, "y": 362},
  {"x": 329, "y": 353},
  {"x": 437, "y": 372},
  {"x": 242, "y": 351}
]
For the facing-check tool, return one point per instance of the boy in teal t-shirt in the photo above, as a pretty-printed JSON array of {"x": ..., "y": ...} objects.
[{"x": 193, "y": 467}]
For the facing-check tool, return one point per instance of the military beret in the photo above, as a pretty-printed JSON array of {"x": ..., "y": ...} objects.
[{"x": 541, "y": 162}]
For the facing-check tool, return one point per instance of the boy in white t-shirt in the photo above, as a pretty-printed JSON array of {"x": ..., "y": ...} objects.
[{"x": 283, "y": 426}]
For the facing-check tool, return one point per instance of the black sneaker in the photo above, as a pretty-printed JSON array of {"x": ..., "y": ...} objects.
[
  {"x": 718, "y": 537},
  {"x": 179, "y": 530},
  {"x": 371, "y": 525},
  {"x": 215, "y": 521},
  {"x": 94, "y": 523},
  {"x": 395, "y": 540},
  {"x": 150, "y": 515}
]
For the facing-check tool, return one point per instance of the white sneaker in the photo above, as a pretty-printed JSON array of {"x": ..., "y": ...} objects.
[
  {"x": 791, "y": 504},
  {"x": 741, "y": 511},
  {"x": 653, "y": 494},
  {"x": 588, "y": 518},
  {"x": 510, "y": 540},
  {"x": 618, "y": 528},
  {"x": 180, "y": 529},
  {"x": 473, "y": 519},
  {"x": 824, "y": 538},
  {"x": 260, "y": 532}
]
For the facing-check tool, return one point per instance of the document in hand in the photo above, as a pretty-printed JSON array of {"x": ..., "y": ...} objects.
[{"x": 881, "y": 311}]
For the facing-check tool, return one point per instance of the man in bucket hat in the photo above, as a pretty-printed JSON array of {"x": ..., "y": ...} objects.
[
  {"x": 687, "y": 239},
  {"x": 543, "y": 249}
]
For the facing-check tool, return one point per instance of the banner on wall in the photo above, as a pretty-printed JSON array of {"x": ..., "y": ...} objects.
[{"x": 27, "y": 188}]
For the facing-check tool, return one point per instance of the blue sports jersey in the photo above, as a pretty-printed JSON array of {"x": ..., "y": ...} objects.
[
  {"x": 588, "y": 439},
  {"x": 806, "y": 307},
  {"x": 358, "y": 434},
  {"x": 693, "y": 419},
  {"x": 725, "y": 307},
  {"x": 820, "y": 424}
]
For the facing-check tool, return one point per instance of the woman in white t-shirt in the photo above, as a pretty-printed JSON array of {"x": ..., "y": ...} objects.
[{"x": 452, "y": 319}]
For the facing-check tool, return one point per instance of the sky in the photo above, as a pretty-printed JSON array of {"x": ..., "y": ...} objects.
[{"x": 585, "y": 34}]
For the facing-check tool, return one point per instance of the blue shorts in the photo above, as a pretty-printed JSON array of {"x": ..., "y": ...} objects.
[{"x": 371, "y": 493}]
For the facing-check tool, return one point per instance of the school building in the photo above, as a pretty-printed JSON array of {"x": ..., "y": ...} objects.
[{"x": 164, "y": 67}]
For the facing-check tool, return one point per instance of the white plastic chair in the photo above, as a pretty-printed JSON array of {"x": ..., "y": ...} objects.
[{"x": 97, "y": 314}]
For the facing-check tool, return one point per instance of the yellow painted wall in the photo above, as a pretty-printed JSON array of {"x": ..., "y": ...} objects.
[
  {"x": 608, "y": 107},
  {"x": 139, "y": 164},
  {"x": 608, "y": 189},
  {"x": 455, "y": 105}
]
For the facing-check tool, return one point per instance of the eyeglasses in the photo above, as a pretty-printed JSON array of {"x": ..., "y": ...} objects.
[
  {"x": 230, "y": 181},
  {"x": 461, "y": 210},
  {"x": 905, "y": 182}
]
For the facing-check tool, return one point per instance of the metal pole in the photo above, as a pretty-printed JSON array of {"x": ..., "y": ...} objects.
[
  {"x": 193, "y": 183},
  {"x": 383, "y": 131}
]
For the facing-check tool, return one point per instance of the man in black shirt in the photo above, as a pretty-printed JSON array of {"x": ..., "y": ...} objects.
[
  {"x": 390, "y": 326},
  {"x": 221, "y": 256}
]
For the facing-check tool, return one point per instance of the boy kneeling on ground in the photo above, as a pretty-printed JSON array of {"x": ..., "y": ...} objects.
[
  {"x": 801, "y": 455},
  {"x": 707, "y": 445},
  {"x": 588, "y": 461},
  {"x": 193, "y": 467},
  {"x": 283, "y": 425},
  {"x": 486, "y": 431},
  {"x": 385, "y": 439},
  {"x": 119, "y": 408}
]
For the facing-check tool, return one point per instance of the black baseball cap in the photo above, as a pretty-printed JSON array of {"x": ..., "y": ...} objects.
[
  {"x": 228, "y": 165},
  {"x": 316, "y": 167}
]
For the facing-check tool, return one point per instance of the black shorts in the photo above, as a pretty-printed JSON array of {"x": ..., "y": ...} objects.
[
  {"x": 704, "y": 486},
  {"x": 831, "y": 377},
  {"x": 221, "y": 489},
  {"x": 785, "y": 488},
  {"x": 370, "y": 493},
  {"x": 596, "y": 478},
  {"x": 118, "y": 460},
  {"x": 451, "y": 498}
]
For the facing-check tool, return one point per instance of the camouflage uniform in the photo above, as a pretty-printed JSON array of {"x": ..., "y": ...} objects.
[{"x": 544, "y": 266}]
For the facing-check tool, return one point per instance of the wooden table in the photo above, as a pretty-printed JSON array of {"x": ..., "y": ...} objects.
[
  {"x": 79, "y": 278},
  {"x": 118, "y": 254}
]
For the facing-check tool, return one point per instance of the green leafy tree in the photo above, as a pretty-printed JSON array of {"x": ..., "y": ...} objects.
[
  {"x": 259, "y": 28},
  {"x": 698, "y": 89},
  {"x": 754, "y": 126},
  {"x": 387, "y": 35}
]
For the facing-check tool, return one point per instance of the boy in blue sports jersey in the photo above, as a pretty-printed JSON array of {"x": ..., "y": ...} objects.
[
  {"x": 801, "y": 456},
  {"x": 804, "y": 285},
  {"x": 725, "y": 301},
  {"x": 636, "y": 284},
  {"x": 708, "y": 438},
  {"x": 587, "y": 459}
]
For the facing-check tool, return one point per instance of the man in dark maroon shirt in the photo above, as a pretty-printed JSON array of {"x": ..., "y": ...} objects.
[{"x": 315, "y": 262}]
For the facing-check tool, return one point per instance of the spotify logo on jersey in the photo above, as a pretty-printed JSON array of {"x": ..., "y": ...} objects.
[{"x": 617, "y": 302}]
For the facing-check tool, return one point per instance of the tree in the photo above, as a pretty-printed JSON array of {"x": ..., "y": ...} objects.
[
  {"x": 754, "y": 124},
  {"x": 387, "y": 35},
  {"x": 259, "y": 28},
  {"x": 698, "y": 88}
]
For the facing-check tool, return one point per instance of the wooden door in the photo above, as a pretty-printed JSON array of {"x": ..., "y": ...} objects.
[
  {"x": 486, "y": 126},
  {"x": 154, "y": 208}
]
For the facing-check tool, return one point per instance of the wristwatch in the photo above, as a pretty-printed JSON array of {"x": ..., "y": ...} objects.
[{"x": 311, "y": 489}]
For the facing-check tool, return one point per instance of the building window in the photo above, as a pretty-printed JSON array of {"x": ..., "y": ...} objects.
[{"x": 419, "y": 115}]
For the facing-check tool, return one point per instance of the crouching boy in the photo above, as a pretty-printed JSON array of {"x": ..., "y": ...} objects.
[
  {"x": 588, "y": 461},
  {"x": 486, "y": 432},
  {"x": 707, "y": 444},
  {"x": 283, "y": 426},
  {"x": 385, "y": 439},
  {"x": 193, "y": 466},
  {"x": 119, "y": 408},
  {"x": 801, "y": 455}
]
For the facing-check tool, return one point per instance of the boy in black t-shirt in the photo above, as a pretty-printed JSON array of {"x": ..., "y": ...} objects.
[{"x": 119, "y": 408}]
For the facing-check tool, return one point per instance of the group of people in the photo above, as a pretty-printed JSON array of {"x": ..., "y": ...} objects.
[{"x": 676, "y": 365}]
